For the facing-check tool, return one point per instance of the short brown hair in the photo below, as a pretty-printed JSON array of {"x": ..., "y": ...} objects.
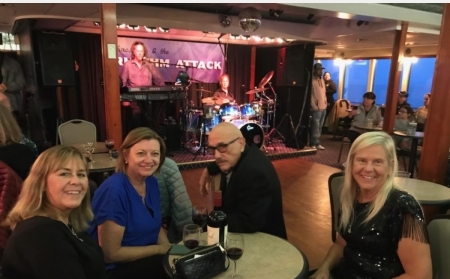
[{"x": 135, "y": 136}]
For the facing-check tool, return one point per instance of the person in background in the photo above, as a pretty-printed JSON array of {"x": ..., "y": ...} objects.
[
  {"x": 382, "y": 230},
  {"x": 176, "y": 207},
  {"x": 367, "y": 110},
  {"x": 222, "y": 92},
  {"x": 422, "y": 113},
  {"x": 402, "y": 100},
  {"x": 251, "y": 190},
  {"x": 139, "y": 72},
  {"x": 330, "y": 91},
  {"x": 49, "y": 219},
  {"x": 14, "y": 81},
  {"x": 401, "y": 124},
  {"x": 13, "y": 152},
  {"x": 318, "y": 106},
  {"x": 127, "y": 210}
]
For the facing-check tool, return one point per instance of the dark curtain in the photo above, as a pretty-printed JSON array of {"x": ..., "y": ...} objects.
[
  {"x": 238, "y": 68},
  {"x": 88, "y": 54}
]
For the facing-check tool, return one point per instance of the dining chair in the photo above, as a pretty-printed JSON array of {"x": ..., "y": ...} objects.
[
  {"x": 339, "y": 112},
  {"x": 77, "y": 131},
  {"x": 439, "y": 231},
  {"x": 335, "y": 184}
]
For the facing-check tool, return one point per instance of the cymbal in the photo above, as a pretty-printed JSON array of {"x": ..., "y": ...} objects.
[
  {"x": 202, "y": 90},
  {"x": 214, "y": 100},
  {"x": 257, "y": 90},
  {"x": 265, "y": 79}
]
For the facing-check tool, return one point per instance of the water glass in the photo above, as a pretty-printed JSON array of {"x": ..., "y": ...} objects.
[
  {"x": 412, "y": 128},
  {"x": 89, "y": 148},
  {"x": 369, "y": 123}
]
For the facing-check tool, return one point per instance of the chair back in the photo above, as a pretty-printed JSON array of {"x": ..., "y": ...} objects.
[
  {"x": 439, "y": 233},
  {"x": 335, "y": 184},
  {"x": 77, "y": 131},
  {"x": 10, "y": 187},
  {"x": 338, "y": 112}
]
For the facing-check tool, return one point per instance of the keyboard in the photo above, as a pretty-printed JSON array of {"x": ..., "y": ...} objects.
[
  {"x": 153, "y": 96},
  {"x": 166, "y": 88}
]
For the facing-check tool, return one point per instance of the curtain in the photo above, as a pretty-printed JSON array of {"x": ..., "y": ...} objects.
[
  {"x": 238, "y": 68},
  {"x": 88, "y": 55}
]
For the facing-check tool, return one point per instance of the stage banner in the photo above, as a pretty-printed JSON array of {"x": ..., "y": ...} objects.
[{"x": 204, "y": 61}]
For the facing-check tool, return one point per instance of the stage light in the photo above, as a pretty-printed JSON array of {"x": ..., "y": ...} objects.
[
  {"x": 275, "y": 13},
  {"x": 133, "y": 27},
  {"x": 250, "y": 19},
  {"x": 225, "y": 21},
  {"x": 280, "y": 40},
  {"x": 245, "y": 37},
  {"x": 257, "y": 38},
  {"x": 96, "y": 23},
  {"x": 234, "y": 36},
  {"x": 269, "y": 39},
  {"x": 150, "y": 29},
  {"x": 121, "y": 25},
  {"x": 164, "y": 30}
]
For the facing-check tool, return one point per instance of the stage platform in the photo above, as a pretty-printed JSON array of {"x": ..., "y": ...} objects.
[{"x": 275, "y": 151}]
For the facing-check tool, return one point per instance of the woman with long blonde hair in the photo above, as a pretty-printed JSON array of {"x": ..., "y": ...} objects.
[
  {"x": 382, "y": 230},
  {"x": 49, "y": 219}
]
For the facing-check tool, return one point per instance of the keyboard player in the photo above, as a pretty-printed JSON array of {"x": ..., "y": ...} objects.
[{"x": 138, "y": 71}]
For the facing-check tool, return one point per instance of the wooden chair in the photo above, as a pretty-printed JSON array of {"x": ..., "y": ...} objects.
[{"x": 335, "y": 184}]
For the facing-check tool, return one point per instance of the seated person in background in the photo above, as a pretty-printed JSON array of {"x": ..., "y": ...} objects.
[
  {"x": 401, "y": 124},
  {"x": 382, "y": 230},
  {"x": 16, "y": 155},
  {"x": 250, "y": 185},
  {"x": 402, "y": 100},
  {"x": 127, "y": 211},
  {"x": 49, "y": 219},
  {"x": 367, "y": 110},
  {"x": 422, "y": 113},
  {"x": 176, "y": 207}
]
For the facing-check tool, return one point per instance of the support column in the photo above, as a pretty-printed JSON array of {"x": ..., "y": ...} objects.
[
  {"x": 394, "y": 78},
  {"x": 111, "y": 73},
  {"x": 434, "y": 159},
  {"x": 252, "y": 72}
]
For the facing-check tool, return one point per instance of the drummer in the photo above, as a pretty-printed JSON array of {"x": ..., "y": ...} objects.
[{"x": 222, "y": 92}]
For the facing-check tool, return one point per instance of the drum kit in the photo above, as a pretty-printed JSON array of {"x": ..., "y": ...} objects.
[{"x": 252, "y": 118}]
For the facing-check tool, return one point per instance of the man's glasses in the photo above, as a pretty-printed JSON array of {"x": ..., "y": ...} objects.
[
  {"x": 221, "y": 147},
  {"x": 402, "y": 111}
]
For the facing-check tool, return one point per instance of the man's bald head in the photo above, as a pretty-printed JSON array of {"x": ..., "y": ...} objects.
[
  {"x": 226, "y": 128},
  {"x": 226, "y": 134}
]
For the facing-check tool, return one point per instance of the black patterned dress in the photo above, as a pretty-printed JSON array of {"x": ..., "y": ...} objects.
[{"x": 371, "y": 250}]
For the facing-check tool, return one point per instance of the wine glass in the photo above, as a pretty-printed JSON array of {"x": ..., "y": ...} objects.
[
  {"x": 191, "y": 235},
  {"x": 200, "y": 215},
  {"x": 89, "y": 148},
  {"x": 109, "y": 143},
  {"x": 235, "y": 249}
]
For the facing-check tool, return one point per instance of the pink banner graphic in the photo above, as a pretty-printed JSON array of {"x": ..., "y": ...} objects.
[{"x": 202, "y": 61}]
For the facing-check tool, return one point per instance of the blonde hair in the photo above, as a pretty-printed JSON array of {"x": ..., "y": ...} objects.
[
  {"x": 133, "y": 47},
  {"x": 9, "y": 129},
  {"x": 133, "y": 137},
  {"x": 350, "y": 189},
  {"x": 33, "y": 200}
]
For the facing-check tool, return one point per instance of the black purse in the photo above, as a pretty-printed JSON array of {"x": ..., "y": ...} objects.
[{"x": 201, "y": 263}]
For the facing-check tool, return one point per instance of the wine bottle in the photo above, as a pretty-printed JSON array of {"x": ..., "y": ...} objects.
[{"x": 217, "y": 224}]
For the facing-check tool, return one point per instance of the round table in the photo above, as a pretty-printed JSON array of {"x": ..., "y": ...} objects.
[
  {"x": 102, "y": 163},
  {"x": 265, "y": 256},
  {"x": 369, "y": 129},
  {"x": 99, "y": 147},
  {"x": 426, "y": 192}
]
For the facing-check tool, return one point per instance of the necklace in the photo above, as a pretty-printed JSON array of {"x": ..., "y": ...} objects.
[
  {"x": 73, "y": 232},
  {"x": 362, "y": 210}
]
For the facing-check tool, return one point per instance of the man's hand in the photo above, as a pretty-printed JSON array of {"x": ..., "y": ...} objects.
[{"x": 204, "y": 183}]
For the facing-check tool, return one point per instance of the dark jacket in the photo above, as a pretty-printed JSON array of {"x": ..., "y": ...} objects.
[
  {"x": 19, "y": 157},
  {"x": 252, "y": 199},
  {"x": 330, "y": 91}
]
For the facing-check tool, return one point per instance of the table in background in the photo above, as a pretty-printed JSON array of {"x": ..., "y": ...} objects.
[
  {"x": 430, "y": 195},
  {"x": 102, "y": 163},
  {"x": 265, "y": 256},
  {"x": 369, "y": 129},
  {"x": 414, "y": 143},
  {"x": 99, "y": 147}
]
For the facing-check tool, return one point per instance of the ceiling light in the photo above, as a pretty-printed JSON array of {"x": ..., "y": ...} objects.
[
  {"x": 280, "y": 40},
  {"x": 164, "y": 30},
  {"x": 250, "y": 19},
  {"x": 133, "y": 27},
  {"x": 150, "y": 29},
  {"x": 234, "y": 36},
  {"x": 96, "y": 23},
  {"x": 121, "y": 25},
  {"x": 275, "y": 13},
  {"x": 245, "y": 37},
  {"x": 269, "y": 39},
  {"x": 257, "y": 38}
]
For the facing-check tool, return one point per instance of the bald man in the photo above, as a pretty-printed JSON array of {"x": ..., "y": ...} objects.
[{"x": 251, "y": 191}]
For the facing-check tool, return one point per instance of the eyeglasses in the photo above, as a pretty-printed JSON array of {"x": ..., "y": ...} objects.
[
  {"x": 221, "y": 147},
  {"x": 402, "y": 111}
]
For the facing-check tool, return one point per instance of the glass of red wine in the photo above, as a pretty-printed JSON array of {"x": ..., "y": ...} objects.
[
  {"x": 191, "y": 235},
  {"x": 235, "y": 249},
  {"x": 110, "y": 145},
  {"x": 200, "y": 215}
]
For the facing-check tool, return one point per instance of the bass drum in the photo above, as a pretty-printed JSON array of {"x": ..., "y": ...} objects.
[{"x": 252, "y": 132}]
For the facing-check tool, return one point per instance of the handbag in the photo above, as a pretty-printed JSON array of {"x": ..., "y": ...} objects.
[{"x": 201, "y": 263}]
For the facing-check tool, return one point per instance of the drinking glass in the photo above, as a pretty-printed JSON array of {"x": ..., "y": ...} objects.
[
  {"x": 109, "y": 143},
  {"x": 191, "y": 235},
  {"x": 89, "y": 148},
  {"x": 200, "y": 215},
  {"x": 235, "y": 249}
]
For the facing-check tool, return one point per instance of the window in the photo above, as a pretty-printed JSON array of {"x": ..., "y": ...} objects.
[
  {"x": 381, "y": 79},
  {"x": 420, "y": 80},
  {"x": 355, "y": 80}
]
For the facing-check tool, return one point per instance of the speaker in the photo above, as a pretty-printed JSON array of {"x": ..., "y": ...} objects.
[
  {"x": 291, "y": 66},
  {"x": 57, "y": 64}
]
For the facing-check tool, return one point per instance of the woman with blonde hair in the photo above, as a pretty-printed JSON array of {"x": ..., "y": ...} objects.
[
  {"x": 13, "y": 150},
  {"x": 49, "y": 219},
  {"x": 128, "y": 221},
  {"x": 382, "y": 230}
]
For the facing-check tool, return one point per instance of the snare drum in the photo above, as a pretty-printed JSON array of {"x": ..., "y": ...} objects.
[
  {"x": 252, "y": 132},
  {"x": 229, "y": 110},
  {"x": 247, "y": 111}
]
